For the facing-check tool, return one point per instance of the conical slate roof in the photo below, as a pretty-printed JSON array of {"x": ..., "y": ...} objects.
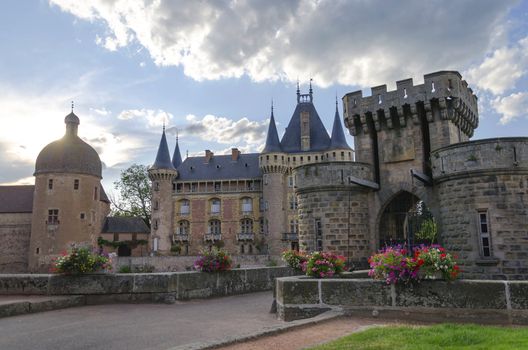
[
  {"x": 163, "y": 160},
  {"x": 319, "y": 139},
  {"x": 272, "y": 140},
  {"x": 176, "y": 157},
  {"x": 338, "y": 140}
]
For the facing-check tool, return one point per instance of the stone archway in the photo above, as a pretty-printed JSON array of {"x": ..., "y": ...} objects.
[{"x": 406, "y": 220}]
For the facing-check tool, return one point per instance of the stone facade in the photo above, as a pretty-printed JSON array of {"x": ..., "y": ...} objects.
[{"x": 15, "y": 230}]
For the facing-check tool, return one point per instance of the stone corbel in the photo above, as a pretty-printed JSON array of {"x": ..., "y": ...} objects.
[
  {"x": 414, "y": 115},
  {"x": 428, "y": 112},
  {"x": 364, "y": 125},
  {"x": 401, "y": 116},
  {"x": 375, "y": 118},
  {"x": 388, "y": 118}
]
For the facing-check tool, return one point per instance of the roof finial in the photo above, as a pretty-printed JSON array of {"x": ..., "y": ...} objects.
[
  {"x": 272, "y": 106},
  {"x": 72, "y": 106},
  {"x": 298, "y": 91},
  {"x": 187, "y": 154},
  {"x": 311, "y": 86},
  {"x": 164, "y": 126},
  {"x": 336, "y": 101},
  {"x": 176, "y": 135}
]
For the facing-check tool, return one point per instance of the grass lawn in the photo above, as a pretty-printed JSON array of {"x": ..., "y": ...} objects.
[{"x": 442, "y": 336}]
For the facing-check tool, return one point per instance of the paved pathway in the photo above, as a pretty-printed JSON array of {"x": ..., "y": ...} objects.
[{"x": 139, "y": 326}]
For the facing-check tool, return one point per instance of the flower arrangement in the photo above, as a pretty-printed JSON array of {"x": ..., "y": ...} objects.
[
  {"x": 321, "y": 264},
  {"x": 213, "y": 260},
  {"x": 80, "y": 260},
  {"x": 434, "y": 259},
  {"x": 393, "y": 265},
  {"x": 294, "y": 258}
]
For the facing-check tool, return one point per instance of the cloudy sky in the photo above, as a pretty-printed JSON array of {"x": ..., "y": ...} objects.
[{"x": 210, "y": 69}]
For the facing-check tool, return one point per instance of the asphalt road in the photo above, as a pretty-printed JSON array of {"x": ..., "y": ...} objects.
[{"x": 138, "y": 326}]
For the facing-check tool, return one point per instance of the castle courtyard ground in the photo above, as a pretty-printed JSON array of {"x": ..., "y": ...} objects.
[{"x": 183, "y": 325}]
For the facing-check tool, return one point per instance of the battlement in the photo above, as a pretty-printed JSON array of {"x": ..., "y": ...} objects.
[
  {"x": 509, "y": 154},
  {"x": 444, "y": 90}
]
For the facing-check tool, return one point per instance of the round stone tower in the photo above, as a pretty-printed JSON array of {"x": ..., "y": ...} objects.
[
  {"x": 67, "y": 207},
  {"x": 162, "y": 174},
  {"x": 273, "y": 165}
]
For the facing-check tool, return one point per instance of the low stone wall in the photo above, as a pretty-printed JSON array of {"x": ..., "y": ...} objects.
[
  {"x": 503, "y": 302},
  {"x": 147, "y": 287},
  {"x": 184, "y": 263}
]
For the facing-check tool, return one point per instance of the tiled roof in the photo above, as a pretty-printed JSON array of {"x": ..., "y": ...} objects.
[
  {"x": 220, "y": 168},
  {"x": 16, "y": 199},
  {"x": 319, "y": 139},
  {"x": 122, "y": 224},
  {"x": 176, "y": 157}
]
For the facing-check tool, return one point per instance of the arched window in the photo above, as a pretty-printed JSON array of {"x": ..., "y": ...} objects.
[
  {"x": 246, "y": 226},
  {"x": 185, "y": 207},
  {"x": 215, "y": 206},
  {"x": 183, "y": 228},
  {"x": 247, "y": 205},
  {"x": 215, "y": 227}
]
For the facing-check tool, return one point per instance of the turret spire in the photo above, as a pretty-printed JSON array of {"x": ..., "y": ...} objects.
[
  {"x": 163, "y": 160},
  {"x": 272, "y": 140},
  {"x": 338, "y": 140},
  {"x": 176, "y": 157}
]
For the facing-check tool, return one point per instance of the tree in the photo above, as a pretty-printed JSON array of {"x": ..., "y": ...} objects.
[{"x": 134, "y": 193}]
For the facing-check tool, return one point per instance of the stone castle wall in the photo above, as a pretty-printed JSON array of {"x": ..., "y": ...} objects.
[
  {"x": 485, "y": 176},
  {"x": 15, "y": 230},
  {"x": 325, "y": 194}
]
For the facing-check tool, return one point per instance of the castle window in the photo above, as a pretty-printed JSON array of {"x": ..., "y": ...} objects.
[
  {"x": 155, "y": 243},
  {"x": 183, "y": 228},
  {"x": 294, "y": 159},
  {"x": 316, "y": 158},
  {"x": 173, "y": 187},
  {"x": 50, "y": 184},
  {"x": 37, "y": 251},
  {"x": 293, "y": 202},
  {"x": 262, "y": 228},
  {"x": 193, "y": 187},
  {"x": 250, "y": 249},
  {"x": 246, "y": 226},
  {"x": 291, "y": 182},
  {"x": 155, "y": 224},
  {"x": 267, "y": 157},
  {"x": 261, "y": 204},
  {"x": 484, "y": 233},
  {"x": 53, "y": 216},
  {"x": 116, "y": 237},
  {"x": 242, "y": 249},
  {"x": 342, "y": 155},
  {"x": 217, "y": 186},
  {"x": 185, "y": 206},
  {"x": 333, "y": 154},
  {"x": 309, "y": 158},
  {"x": 247, "y": 205},
  {"x": 156, "y": 186},
  {"x": 318, "y": 235},
  {"x": 215, "y": 206},
  {"x": 294, "y": 226},
  {"x": 156, "y": 205},
  {"x": 95, "y": 193},
  {"x": 275, "y": 157},
  {"x": 76, "y": 184},
  {"x": 215, "y": 227},
  {"x": 82, "y": 216}
]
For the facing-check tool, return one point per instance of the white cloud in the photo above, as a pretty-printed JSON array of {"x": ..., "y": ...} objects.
[
  {"x": 154, "y": 118},
  {"x": 502, "y": 69},
  {"x": 348, "y": 42},
  {"x": 511, "y": 107},
  {"x": 227, "y": 131}
]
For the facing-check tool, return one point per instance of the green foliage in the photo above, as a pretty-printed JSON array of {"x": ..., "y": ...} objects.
[
  {"x": 134, "y": 193},
  {"x": 176, "y": 249},
  {"x": 146, "y": 268},
  {"x": 437, "y": 337},
  {"x": 295, "y": 259},
  {"x": 472, "y": 158},
  {"x": 271, "y": 263},
  {"x": 125, "y": 269},
  {"x": 80, "y": 260},
  {"x": 428, "y": 230}
]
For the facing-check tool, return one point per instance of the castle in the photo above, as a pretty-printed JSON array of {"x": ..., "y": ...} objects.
[{"x": 307, "y": 190}]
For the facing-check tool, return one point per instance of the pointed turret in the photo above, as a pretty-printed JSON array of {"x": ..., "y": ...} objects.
[
  {"x": 272, "y": 140},
  {"x": 176, "y": 157},
  {"x": 163, "y": 160},
  {"x": 338, "y": 140}
]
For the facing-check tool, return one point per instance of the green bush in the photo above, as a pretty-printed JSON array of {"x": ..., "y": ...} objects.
[
  {"x": 125, "y": 269},
  {"x": 80, "y": 260}
]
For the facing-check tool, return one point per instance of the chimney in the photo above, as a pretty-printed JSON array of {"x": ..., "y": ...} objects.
[
  {"x": 235, "y": 153},
  {"x": 208, "y": 155}
]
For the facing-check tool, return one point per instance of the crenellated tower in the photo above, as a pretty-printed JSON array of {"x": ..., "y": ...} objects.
[{"x": 162, "y": 174}]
